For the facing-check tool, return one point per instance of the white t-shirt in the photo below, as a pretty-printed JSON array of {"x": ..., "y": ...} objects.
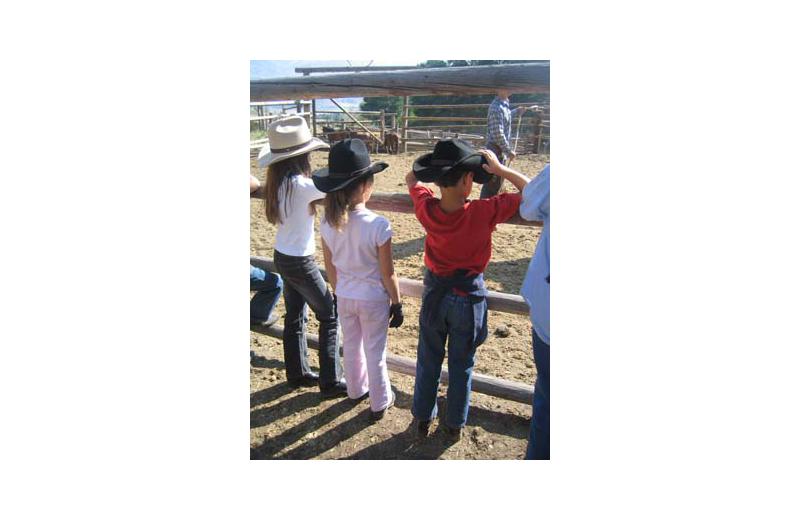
[
  {"x": 354, "y": 253},
  {"x": 295, "y": 236}
]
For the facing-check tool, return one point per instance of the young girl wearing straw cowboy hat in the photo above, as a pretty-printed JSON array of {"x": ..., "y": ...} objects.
[
  {"x": 357, "y": 245},
  {"x": 290, "y": 196}
]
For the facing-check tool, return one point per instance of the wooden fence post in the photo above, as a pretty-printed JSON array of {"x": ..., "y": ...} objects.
[
  {"x": 314, "y": 116},
  {"x": 404, "y": 131}
]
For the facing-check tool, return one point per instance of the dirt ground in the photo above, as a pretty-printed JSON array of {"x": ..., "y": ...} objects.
[{"x": 296, "y": 424}]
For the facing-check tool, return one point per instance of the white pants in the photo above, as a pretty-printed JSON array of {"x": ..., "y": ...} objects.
[{"x": 364, "y": 328}]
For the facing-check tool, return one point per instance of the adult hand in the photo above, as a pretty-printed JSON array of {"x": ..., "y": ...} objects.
[{"x": 396, "y": 314}]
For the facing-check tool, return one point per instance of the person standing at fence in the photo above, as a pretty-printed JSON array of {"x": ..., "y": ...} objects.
[
  {"x": 498, "y": 137},
  {"x": 290, "y": 198},
  {"x": 458, "y": 246},
  {"x": 268, "y": 286},
  {"x": 536, "y": 292},
  {"x": 357, "y": 247}
]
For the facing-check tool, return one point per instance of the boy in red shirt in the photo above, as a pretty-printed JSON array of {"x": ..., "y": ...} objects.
[{"x": 458, "y": 246}]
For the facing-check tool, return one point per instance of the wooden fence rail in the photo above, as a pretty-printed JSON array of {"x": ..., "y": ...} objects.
[
  {"x": 489, "y": 385},
  {"x": 484, "y": 384},
  {"x": 401, "y": 203}
]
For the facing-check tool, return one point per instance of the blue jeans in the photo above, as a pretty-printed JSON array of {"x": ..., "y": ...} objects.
[
  {"x": 303, "y": 286},
  {"x": 457, "y": 321},
  {"x": 269, "y": 287},
  {"x": 539, "y": 436}
]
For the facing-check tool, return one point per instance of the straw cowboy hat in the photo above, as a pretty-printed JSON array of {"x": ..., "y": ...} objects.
[
  {"x": 448, "y": 155},
  {"x": 348, "y": 160},
  {"x": 288, "y": 138}
]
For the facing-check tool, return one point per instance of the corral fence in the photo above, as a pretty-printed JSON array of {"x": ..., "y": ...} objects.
[
  {"x": 262, "y": 113},
  {"x": 529, "y": 78},
  {"x": 529, "y": 135},
  {"x": 496, "y": 301}
]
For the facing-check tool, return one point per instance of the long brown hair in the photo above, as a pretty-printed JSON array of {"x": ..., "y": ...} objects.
[
  {"x": 276, "y": 174},
  {"x": 338, "y": 202}
]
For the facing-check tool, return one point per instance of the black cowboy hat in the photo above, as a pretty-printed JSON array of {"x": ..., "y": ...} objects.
[
  {"x": 449, "y": 155},
  {"x": 348, "y": 160}
]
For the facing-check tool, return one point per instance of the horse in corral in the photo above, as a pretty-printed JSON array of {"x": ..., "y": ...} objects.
[{"x": 391, "y": 142}]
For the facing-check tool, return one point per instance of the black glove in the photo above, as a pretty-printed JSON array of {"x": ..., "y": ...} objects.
[
  {"x": 335, "y": 307},
  {"x": 396, "y": 314}
]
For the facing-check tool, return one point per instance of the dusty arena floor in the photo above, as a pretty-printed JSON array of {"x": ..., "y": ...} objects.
[{"x": 296, "y": 424}]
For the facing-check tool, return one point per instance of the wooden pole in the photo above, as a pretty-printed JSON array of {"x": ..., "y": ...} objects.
[
  {"x": 354, "y": 119},
  {"x": 314, "y": 115},
  {"x": 514, "y": 78},
  {"x": 383, "y": 126},
  {"x": 404, "y": 122},
  {"x": 401, "y": 203},
  {"x": 489, "y": 385},
  {"x": 495, "y": 301}
]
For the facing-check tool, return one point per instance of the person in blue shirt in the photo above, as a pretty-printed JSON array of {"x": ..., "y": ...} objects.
[{"x": 536, "y": 292}]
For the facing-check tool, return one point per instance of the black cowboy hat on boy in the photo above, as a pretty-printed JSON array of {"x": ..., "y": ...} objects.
[
  {"x": 348, "y": 160},
  {"x": 449, "y": 155}
]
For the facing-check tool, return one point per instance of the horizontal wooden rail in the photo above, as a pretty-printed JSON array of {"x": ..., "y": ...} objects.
[
  {"x": 309, "y": 70},
  {"x": 278, "y": 103},
  {"x": 489, "y": 385},
  {"x": 351, "y": 111},
  {"x": 478, "y": 105},
  {"x": 401, "y": 203},
  {"x": 495, "y": 301},
  {"x": 513, "y": 78},
  {"x": 278, "y": 116}
]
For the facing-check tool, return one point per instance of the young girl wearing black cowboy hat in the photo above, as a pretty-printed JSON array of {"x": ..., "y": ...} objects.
[
  {"x": 289, "y": 196},
  {"x": 357, "y": 247}
]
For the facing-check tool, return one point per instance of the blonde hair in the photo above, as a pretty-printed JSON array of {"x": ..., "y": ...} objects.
[
  {"x": 338, "y": 202},
  {"x": 278, "y": 172}
]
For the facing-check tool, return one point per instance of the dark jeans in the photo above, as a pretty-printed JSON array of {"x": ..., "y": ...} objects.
[
  {"x": 303, "y": 284},
  {"x": 539, "y": 436},
  {"x": 492, "y": 188},
  {"x": 458, "y": 323},
  {"x": 269, "y": 287}
]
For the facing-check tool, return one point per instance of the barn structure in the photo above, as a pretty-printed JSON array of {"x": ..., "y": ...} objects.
[{"x": 515, "y": 78}]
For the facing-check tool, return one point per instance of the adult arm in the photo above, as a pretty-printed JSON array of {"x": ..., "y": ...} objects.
[{"x": 536, "y": 197}]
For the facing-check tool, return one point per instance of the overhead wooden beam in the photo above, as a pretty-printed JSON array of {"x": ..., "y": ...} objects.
[
  {"x": 310, "y": 70},
  {"x": 489, "y": 385},
  {"x": 487, "y": 79}
]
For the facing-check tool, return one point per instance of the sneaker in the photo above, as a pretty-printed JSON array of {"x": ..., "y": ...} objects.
[{"x": 377, "y": 416}]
